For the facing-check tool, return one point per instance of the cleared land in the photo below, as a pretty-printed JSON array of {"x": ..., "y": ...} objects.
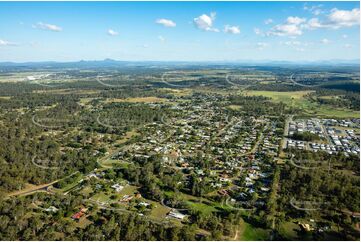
[
  {"x": 136, "y": 100},
  {"x": 298, "y": 99}
]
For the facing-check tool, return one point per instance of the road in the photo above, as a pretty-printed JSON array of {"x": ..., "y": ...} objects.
[
  {"x": 43, "y": 187},
  {"x": 285, "y": 132},
  {"x": 254, "y": 149}
]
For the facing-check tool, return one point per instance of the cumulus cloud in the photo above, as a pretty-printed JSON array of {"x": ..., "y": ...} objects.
[
  {"x": 285, "y": 30},
  {"x": 232, "y": 29},
  {"x": 205, "y": 22},
  {"x": 268, "y": 21},
  {"x": 45, "y": 26},
  {"x": 292, "y": 27},
  {"x": 112, "y": 32},
  {"x": 313, "y": 23},
  {"x": 325, "y": 41},
  {"x": 336, "y": 19},
  {"x": 344, "y": 36},
  {"x": 347, "y": 46},
  {"x": 6, "y": 43},
  {"x": 344, "y": 18},
  {"x": 295, "y": 20},
  {"x": 166, "y": 22}
]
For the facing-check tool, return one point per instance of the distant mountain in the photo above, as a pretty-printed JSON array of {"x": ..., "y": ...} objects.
[{"x": 110, "y": 63}]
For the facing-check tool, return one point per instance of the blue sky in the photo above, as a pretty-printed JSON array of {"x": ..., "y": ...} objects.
[{"x": 190, "y": 31}]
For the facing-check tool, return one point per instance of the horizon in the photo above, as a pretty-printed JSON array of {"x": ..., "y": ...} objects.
[
  {"x": 206, "y": 32},
  {"x": 265, "y": 61}
]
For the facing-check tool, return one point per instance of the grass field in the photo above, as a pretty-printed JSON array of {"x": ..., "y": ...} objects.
[
  {"x": 250, "y": 233},
  {"x": 67, "y": 91},
  {"x": 204, "y": 208},
  {"x": 159, "y": 211},
  {"x": 298, "y": 99}
]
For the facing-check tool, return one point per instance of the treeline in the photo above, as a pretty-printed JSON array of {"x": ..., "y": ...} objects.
[
  {"x": 346, "y": 86},
  {"x": 337, "y": 98},
  {"x": 305, "y": 136},
  {"x": 259, "y": 105}
]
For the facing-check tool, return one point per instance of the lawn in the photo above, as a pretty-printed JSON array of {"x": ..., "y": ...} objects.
[
  {"x": 101, "y": 197},
  {"x": 250, "y": 233},
  {"x": 159, "y": 211},
  {"x": 197, "y": 203},
  {"x": 128, "y": 190},
  {"x": 109, "y": 163},
  {"x": 204, "y": 208}
]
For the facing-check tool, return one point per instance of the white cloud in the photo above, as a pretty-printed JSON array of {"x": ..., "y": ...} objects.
[
  {"x": 6, "y": 43},
  {"x": 161, "y": 39},
  {"x": 313, "y": 23},
  {"x": 300, "y": 49},
  {"x": 262, "y": 45},
  {"x": 112, "y": 32},
  {"x": 145, "y": 46},
  {"x": 166, "y": 22},
  {"x": 45, "y": 26},
  {"x": 295, "y": 20},
  {"x": 344, "y": 18},
  {"x": 205, "y": 22},
  {"x": 347, "y": 46},
  {"x": 268, "y": 21},
  {"x": 285, "y": 30},
  {"x": 344, "y": 36},
  {"x": 325, "y": 41},
  {"x": 336, "y": 19},
  {"x": 232, "y": 29},
  {"x": 291, "y": 28}
]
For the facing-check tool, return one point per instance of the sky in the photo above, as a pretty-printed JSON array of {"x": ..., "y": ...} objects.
[{"x": 179, "y": 31}]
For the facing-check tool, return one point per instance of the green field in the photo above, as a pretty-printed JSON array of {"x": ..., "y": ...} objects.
[
  {"x": 298, "y": 99},
  {"x": 250, "y": 233}
]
